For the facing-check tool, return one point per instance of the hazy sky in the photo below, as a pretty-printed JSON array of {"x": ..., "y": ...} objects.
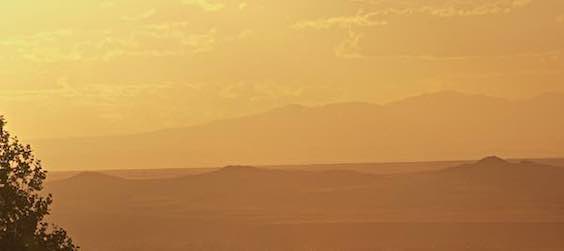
[{"x": 96, "y": 67}]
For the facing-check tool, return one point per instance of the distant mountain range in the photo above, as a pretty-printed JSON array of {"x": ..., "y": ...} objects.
[
  {"x": 474, "y": 191},
  {"x": 438, "y": 126},
  {"x": 225, "y": 205}
]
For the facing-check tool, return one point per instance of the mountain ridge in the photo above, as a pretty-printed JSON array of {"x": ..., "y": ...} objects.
[
  {"x": 446, "y": 125},
  {"x": 301, "y": 107}
]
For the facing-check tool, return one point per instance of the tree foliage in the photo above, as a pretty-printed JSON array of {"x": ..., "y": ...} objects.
[{"x": 23, "y": 207}]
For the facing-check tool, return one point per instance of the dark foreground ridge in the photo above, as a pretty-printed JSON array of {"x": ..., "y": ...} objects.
[{"x": 254, "y": 209}]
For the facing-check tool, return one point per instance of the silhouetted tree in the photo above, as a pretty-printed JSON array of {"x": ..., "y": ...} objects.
[{"x": 22, "y": 206}]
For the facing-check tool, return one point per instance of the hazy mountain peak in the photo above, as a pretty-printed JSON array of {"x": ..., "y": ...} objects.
[
  {"x": 238, "y": 169},
  {"x": 447, "y": 94},
  {"x": 551, "y": 98},
  {"x": 550, "y": 95},
  {"x": 89, "y": 178},
  {"x": 289, "y": 108},
  {"x": 491, "y": 161},
  {"x": 448, "y": 98},
  {"x": 450, "y": 125}
]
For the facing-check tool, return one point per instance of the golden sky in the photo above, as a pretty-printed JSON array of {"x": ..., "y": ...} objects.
[{"x": 92, "y": 67}]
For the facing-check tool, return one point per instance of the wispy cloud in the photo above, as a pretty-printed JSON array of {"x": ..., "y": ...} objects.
[
  {"x": 360, "y": 19},
  {"x": 243, "y": 5},
  {"x": 443, "y": 8},
  {"x": 204, "y": 4},
  {"x": 201, "y": 42},
  {"x": 42, "y": 47},
  {"x": 141, "y": 16},
  {"x": 167, "y": 39},
  {"x": 107, "y": 4},
  {"x": 350, "y": 46},
  {"x": 377, "y": 12}
]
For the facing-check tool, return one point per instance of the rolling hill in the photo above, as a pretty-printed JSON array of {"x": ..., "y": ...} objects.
[
  {"x": 248, "y": 208},
  {"x": 490, "y": 185}
]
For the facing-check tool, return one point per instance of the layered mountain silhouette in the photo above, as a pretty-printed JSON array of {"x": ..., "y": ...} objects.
[
  {"x": 488, "y": 203},
  {"x": 439, "y": 126},
  {"x": 481, "y": 189}
]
